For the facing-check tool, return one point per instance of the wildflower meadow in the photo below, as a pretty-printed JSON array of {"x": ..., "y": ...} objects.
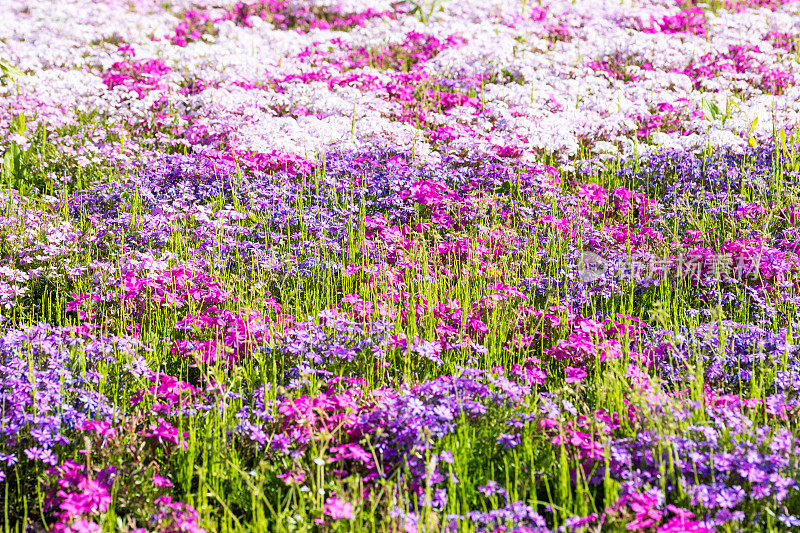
[{"x": 516, "y": 266}]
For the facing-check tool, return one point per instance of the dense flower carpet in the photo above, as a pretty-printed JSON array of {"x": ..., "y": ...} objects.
[{"x": 435, "y": 266}]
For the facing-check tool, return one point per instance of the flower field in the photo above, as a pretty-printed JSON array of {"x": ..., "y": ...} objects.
[{"x": 359, "y": 265}]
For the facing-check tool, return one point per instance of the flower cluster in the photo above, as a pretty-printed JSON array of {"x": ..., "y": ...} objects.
[{"x": 400, "y": 266}]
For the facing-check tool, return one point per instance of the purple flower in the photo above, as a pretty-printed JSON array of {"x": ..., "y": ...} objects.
[
  {"x": 281, "y": 443},
  {"x": 490, "y": 489},
  {"x": 728, "y": 498},
  {"x": 789, "y": 520},
  {"x": 509, "y": 440}
]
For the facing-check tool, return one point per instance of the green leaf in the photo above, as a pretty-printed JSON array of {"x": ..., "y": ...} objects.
[
  {"x": 8, "y": 166},
  {"x": 504, "y": 188},
  {"x": 782, "y": 136},
  {"x": 19, "y": 124},
  {"x": 713, "y": 110},
  {"x": 8, "y": 71}
]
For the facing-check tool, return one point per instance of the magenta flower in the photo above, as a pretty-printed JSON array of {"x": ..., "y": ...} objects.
[
  {"x": 79, "y": 526},
  {"x": 92, "y": 498},
  {"x": 160, "y": 481},
  {"x": 575, "y": 375},
  {"x": 678, "y": 524}
]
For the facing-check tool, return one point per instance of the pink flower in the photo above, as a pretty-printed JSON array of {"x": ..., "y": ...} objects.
[
  {"x": 292, "y": 476},
  {"x": 593, "y": 193},
  {"x": 336, "y": 509},
  {"x": 638, "y": 377}
]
